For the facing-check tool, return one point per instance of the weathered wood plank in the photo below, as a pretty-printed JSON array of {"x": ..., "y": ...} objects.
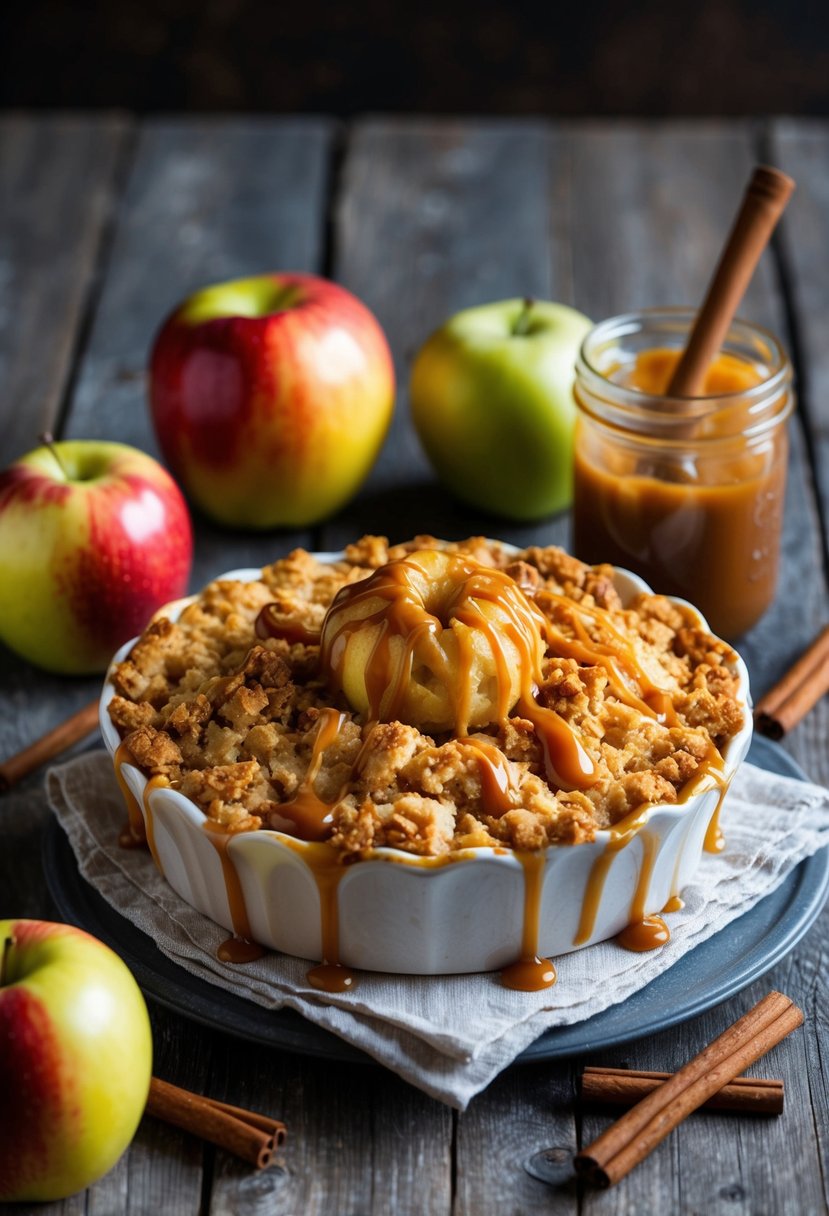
[
  {"x": 359, "y": 1140},
  {"x": 206, "y": 201},
  {"x": 802, "y": 149},
  {"x": 513, "y": 1140},
  {"x": 431, "y": 218},
  {"x": 654, "y": 205},
  {"x": 57, "y": 184},
  {"x": 203, "y": 202}
]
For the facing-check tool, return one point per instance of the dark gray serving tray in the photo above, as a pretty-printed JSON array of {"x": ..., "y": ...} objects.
[{"x": 706, "y": 976}]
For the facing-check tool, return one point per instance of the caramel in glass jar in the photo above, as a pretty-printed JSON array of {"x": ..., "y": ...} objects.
[{"x": 686, "y": 492}]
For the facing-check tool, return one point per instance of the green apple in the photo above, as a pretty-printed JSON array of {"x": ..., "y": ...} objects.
[
  {"x": 75, "y": 1059},
  {"x": 492, "y": 400}
]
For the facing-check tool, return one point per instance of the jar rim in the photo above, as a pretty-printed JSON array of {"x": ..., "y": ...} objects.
[{"x": 630, "y": 322}]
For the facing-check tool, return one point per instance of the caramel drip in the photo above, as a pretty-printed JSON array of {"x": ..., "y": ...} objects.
[
  {"x": 135, "y": 834},
  {"x": 247, "y": 949},
  {"x": 497, "y": 791},
  {"x": 530, "y": 973},
  {"x": 620, "y": 836},
  {"x": 154, "y": 783},
  {"x": 324, "y": 863},
  {"x": 269, "y": 625},
  {"x": 237, "y": 951},
  {"x": 311, "y": 815},
  {"x": 647, "y": 934},
  {"x": 644, "y": 932},
  {"x": 714, "y": 840},
  {"x": 674, "y": 904}
]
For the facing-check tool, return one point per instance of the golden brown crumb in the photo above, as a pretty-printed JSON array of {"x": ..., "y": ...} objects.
[{"x": 234, "y": 720}]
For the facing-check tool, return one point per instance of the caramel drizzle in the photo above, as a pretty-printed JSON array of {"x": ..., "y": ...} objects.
[
  {"x": 714, "y": 839},
  {"x": 530, "y": 973},
  {"x": 234, "y": 950},
  {"x": 498, "y": 794},
  {"x": 644, "y": 932},
  {"x": 140, "y": 828},
  {"x": 270, "y": 625},
  {"x": 401, "y": 614},
  {"x": 710, "y": 771},
  {"x": 310, "y": 815}
]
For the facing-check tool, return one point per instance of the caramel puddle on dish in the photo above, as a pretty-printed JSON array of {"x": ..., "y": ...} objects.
[
  {"x": 530, "y": 973},
  {"x": 674, "y": 904}
]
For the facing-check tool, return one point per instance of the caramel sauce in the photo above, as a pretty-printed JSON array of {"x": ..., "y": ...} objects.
[
  {"x": 234, "y": 950},
  {"x": 674, "y": 904},
  {"x": 644, "y": 932},
  {"x": 310, "y": 815},
  {"x": 521, "y": 625},
  {"x": 135, "y": 835},
  {"x": 140, "y": 828},
  {"x": 497, "y": 793},
  {"x": 647, "y": 934},
  {"x": 269, "y": 625},
  {"x": 154, "y": 783},
  {"x": 714, "y": 839},
  {"x": 707, "y": 528},
  {"x": 324, "y": 863},
  {"x": 331, "y": 977},
  {"x": 530, "y": 973}
]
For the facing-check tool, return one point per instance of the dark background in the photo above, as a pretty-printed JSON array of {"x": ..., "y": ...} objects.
[{"x": 730, "y": 57}]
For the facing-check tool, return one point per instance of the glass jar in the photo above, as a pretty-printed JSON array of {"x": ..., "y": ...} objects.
[{"x": 687, "y": 492}]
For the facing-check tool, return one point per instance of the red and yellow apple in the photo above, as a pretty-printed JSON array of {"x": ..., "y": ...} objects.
[
  {"x": 492, "y": 402},
  {"x": 94, "y": 537},
  {"x": 271, "y": 397},
  {"x": 75, "y": 1059}
]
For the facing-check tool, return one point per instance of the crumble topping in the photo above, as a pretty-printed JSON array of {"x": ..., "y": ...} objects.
[{"x": 234, "y": 720}]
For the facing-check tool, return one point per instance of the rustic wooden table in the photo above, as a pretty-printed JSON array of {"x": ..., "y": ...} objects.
[{"x": 104, "y": 225}]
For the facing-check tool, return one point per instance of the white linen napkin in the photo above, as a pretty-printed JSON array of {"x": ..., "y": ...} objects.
[{"x": 448, "y": 1035}]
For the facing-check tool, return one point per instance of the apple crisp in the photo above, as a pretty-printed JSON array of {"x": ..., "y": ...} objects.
[{"x": 249, "y": 704}]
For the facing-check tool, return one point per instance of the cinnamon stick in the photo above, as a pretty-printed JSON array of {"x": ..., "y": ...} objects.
[
  {"x": 632, "y": 1137},
  {"x": 802, "y": 686},
  {"x": 765, "y": 198},
  {"x": 626, "y": 1086},
  {"x": 50, "y": 745},
  {"x": 246, "y": 1133}
]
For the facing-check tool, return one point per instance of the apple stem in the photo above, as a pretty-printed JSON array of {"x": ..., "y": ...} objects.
[
  {"x": 48, "y": 440},
  {"x": 4, "y": 959},
  {"x": 522, "y": 325}
]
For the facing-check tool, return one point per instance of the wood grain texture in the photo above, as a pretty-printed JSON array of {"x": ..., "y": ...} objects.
[
  {"x": 431, "y": 218},
  {"x": 359, "y": 1141},
  {"x": 522, "y": 1125},
  {"x": 205, "y": 201},
  {"x": 58, "y": 180}
]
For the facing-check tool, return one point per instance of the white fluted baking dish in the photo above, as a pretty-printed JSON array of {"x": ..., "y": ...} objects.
[{"x": 400, "y": 913}]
